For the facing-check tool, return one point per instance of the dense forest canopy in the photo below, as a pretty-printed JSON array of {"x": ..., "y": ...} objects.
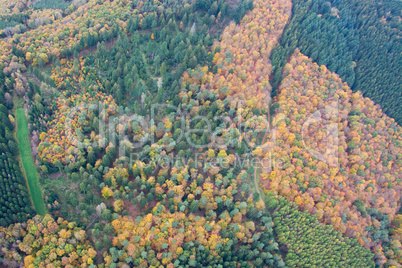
[
  {"x": 359, "y": 40},
  {"x": 348, "y": 177},
  {"x": 200, "y": 133}
]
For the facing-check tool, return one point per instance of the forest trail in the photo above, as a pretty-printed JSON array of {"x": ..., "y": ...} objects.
[
  {"x": 28, "y": 165},
  {"x": 256, "y": 181}
]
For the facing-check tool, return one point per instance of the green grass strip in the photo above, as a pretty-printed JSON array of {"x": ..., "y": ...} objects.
[{"x": 28, "y": 163}]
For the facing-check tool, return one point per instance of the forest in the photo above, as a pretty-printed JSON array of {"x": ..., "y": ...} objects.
[
  {"x": 349, "y": 178},
  {"x": 200, "y": 133},
  {"x": 15, "y": 204},
  {"x": 358, "y": 40}
]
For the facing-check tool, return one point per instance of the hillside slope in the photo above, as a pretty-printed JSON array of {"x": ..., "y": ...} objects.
[{"x": 336, "y": 154}]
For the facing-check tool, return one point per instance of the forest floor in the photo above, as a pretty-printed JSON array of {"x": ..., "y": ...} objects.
[{"x": 29, "y": 168}]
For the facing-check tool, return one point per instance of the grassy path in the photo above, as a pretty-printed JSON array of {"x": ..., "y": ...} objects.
[
  {"x": 29, "y": 167},
  {"x": 256, "y": 170}
]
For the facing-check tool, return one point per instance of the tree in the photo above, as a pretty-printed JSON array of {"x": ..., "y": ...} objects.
[
  {"x": 12, "y": 147},
  {"x": 98, "y": 245},
  {"x": 163, "y": 69}
]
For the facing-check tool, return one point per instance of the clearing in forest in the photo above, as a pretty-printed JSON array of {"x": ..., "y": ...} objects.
[{"x": 29, "y": 167}]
